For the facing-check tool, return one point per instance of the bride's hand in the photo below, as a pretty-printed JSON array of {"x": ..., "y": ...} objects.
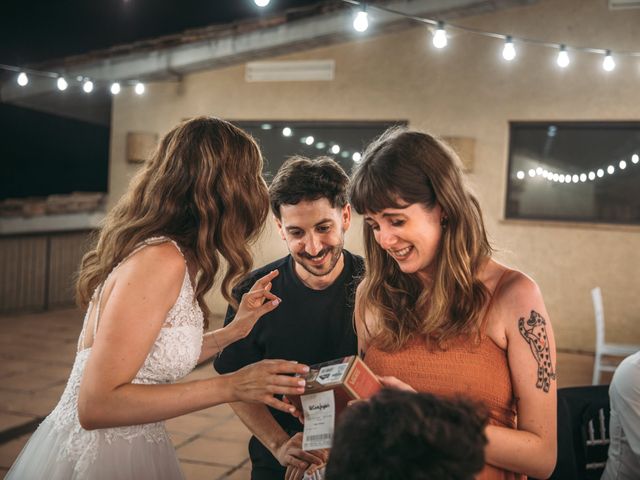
[
  {"x": 259, "y": 382},
  {"x": 254, "y": 304}
]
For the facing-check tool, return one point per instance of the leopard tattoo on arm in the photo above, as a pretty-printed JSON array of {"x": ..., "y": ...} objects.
[{"x": 535, "y": 334}]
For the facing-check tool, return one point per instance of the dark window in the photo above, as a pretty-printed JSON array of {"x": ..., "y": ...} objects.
[
  {"x": 43, "y": 154},
  {"x": 342, "y": 141},
  {"x": 574, "y": 171}
]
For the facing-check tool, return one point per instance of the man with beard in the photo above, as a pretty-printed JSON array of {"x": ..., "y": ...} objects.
[{"x": 316, "y": 283}]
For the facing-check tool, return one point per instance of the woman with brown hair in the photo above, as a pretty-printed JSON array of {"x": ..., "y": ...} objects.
[
  {"x": 199, "y": 200},
  {"x": 437, "y": 314}
]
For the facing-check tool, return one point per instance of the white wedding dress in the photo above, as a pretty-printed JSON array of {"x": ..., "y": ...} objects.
[{"x": 60, "y": 449}]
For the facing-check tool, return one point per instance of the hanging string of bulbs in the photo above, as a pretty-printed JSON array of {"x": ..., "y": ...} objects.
[
  {"x": 509, "y": 53},
  {"x": 361, "y": 24},
  {"x": 62, "y": 83}
]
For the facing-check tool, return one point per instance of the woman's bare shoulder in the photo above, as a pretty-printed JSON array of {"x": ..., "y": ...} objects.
[{"x": 160, "y": 264}]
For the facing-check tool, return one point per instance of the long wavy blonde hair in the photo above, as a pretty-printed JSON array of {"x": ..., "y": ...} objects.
[
  {"x": 404, "y": 167},
  {"x": 203, "y": 188}
]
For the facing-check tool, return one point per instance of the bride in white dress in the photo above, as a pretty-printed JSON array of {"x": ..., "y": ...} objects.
[{"x": 201, "y": 196}]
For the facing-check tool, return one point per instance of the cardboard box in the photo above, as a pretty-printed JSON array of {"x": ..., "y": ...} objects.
[{"x": 349, "y": 378}]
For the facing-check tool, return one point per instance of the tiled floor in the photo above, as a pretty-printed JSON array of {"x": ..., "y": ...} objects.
[{"x": 36, "y": 354}]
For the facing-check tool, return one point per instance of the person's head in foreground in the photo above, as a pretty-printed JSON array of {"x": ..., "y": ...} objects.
[
  {"x": 309, "y": 202},
  {"x": 203, "y": 188},
  {"x": 400, "y": 435},
  {"x": 424, "y": 236}
]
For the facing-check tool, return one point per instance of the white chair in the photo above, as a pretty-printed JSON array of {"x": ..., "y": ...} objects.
[{"x": 603, "y": 348}]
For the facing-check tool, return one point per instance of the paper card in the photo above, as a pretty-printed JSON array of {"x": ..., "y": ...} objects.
[{"x": 319, "y": 420}]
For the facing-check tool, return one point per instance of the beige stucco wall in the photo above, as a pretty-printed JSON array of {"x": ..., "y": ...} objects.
[{"x": 464, "y": 90}]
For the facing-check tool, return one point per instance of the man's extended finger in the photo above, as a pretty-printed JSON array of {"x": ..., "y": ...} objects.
[
  {"x": 308, "y": 457},
  {"x": 273, "y": 402}
]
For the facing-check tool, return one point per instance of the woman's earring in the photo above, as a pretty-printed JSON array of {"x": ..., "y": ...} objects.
[{"x": 444, "y": 222}]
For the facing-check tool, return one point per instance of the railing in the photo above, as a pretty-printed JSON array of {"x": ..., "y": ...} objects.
[{"x": 37, "y": 271}]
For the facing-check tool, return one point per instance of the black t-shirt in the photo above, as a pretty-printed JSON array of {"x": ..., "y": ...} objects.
[{"x": 310, "y": 326}]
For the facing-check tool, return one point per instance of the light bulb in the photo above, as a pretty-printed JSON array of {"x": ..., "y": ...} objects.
[
  {"x": 440, "y": 36},
  {"x": 611, "y": 169},
  {"x": 509, "y": 51},
  {"x": 575, "y": 178},
  {"x": 608, "y": 64},
  {"x": 532, "y": 172},
  {"x": 287, "y": 132},
  {"x": 309, "y": 140},
  {"x": 335, "y": 149},
  {"x": 356, "y": 157},
  {"x": 262, "y": 3},
  {"x": 600, "y": 173},
  {"x": 87, "y": 86},
  {"x": 115, "y": 88},
  {"x": 361, "y": 22},
  {"x": 139, "y": 88},
  {"x": 622, "y": 164},
  {"x": 583, "y": 177},
  {"x": 635, "y": 158},
  {"x": 23, "y": 79},
  {"x": 563, "y": 57},
  {"x": 520, "y": 175},
  {"x": 62, "y": 84}
]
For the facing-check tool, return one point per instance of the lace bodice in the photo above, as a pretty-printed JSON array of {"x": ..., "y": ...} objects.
[{"x": 173, "y": 355}]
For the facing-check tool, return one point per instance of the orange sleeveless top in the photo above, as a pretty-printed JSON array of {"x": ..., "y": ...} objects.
[{"x": 479, "y": 372}]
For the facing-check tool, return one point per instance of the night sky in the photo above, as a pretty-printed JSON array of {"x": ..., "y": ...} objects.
[
  {"x": 43, "y": 154},
  {"x": 37, "y": 30}
]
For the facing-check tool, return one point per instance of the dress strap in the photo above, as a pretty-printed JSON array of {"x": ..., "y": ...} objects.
[{"x": 100, "y": 289}]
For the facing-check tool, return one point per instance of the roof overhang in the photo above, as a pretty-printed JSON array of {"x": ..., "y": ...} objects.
[{"x": 169, "y": 58}]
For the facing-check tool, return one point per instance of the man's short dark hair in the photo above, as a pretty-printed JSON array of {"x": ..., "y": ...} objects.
[
  {"x": 410, "y": 436},
  {"x": 301, "y": 178}
]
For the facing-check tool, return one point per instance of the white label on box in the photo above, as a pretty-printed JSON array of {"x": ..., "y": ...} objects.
[
  {"x": 319, "y": 419},
  {"x": 331, "y": 373}
]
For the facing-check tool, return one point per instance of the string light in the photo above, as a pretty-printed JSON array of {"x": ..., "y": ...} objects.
[
  {"x": 563, "y": 57},
  {"x": 22, "y": 79},
  {"x": 87, "y": 86},
  {"x": 356, "y": 157},
  {"x": 62, "y": 84},
  {"x": 361, "y": 22},
  {"x": 309, "y": 140},
  {"x": 335, "y": 149},
  {"x": 575, "y": 178},
  {"x": 287, "y": 132},
  {"x": 115, "y": 88},
  {"x": 139, "y": 88},
  {"x": 509, "y": 51},
  {"x": 440, "y": 36},
  {"x": 608, "y": 64}
]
